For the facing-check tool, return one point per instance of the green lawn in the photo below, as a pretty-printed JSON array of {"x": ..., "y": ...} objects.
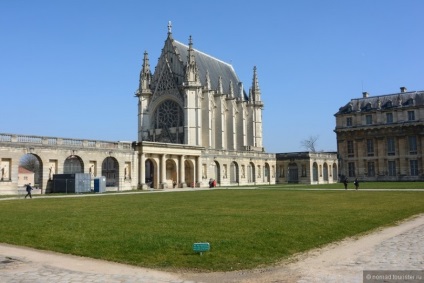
[
  {"x": 362, "y": 185},
  {"x": 245, "y": 228}
]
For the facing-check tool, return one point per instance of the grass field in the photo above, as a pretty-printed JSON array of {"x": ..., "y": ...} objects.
[{"x": 245, "y": 228}]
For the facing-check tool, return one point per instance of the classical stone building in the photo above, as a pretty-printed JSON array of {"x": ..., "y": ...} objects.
[
  {"x": 196, "y": 122},
  {"x": 307, "y": 167},
  {"x": 117, "y": 161},
  {"x": 381, "y": 138}
]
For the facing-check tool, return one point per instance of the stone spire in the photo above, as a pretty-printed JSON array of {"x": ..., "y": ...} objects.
[
  {"x": 192, "y": 72},
  {"x": 240, "y": 91},
  {"x": 231, "y": 94},
  {"x": 256, "y": 92},
  {"x": 145, "y": 74},
  {"x": 169, "y": 27},
  {"x": 207, "y": 81},
  {"x": 220, "y": 87}
]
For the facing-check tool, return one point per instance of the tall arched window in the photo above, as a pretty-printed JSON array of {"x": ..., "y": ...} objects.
[{"x": 169, "y": 118}]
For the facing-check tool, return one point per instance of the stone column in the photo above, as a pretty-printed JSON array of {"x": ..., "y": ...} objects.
[
  {"x": 182, "y": 172},
  {"x": 198, "y": 171},
  {"x": 162, "y": 172},
  {"x": 142, "y": 171},
  {"x": 403, "y": 152}
]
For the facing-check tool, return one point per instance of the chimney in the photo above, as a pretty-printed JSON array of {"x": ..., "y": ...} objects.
[
  {"x": 402, "y": 89},
  {"x": 365, "y": 94}
]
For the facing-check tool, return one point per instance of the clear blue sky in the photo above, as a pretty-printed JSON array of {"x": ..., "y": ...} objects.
[{"x": 70, "y": 68}]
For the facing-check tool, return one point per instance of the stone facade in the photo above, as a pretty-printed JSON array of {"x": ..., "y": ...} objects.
[
  {"x": 381, "y": 138},
  {"x": 307, "y": 167},
  {"x": 197, "y": 123},
  {"x": 115, "y": 160}
]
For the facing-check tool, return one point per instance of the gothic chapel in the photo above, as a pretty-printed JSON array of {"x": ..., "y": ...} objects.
[{"x": 196, "y": 123}]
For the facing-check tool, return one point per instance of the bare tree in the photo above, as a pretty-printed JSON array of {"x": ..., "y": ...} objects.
[
  {"x": 310, "y": 143},
  {"x": 31, "y": 163}
]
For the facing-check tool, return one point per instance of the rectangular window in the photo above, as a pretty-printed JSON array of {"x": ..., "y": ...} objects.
[
  {"x": 350, "y": 149},
  {"x": 351, "y": 168},
  {"x": 413, "y": 164},
  {"x": 392, "y": 168},
  {"x": 391, "y": 148},
  {"x": 349, "y": 121},
  {"x": 412, "y": 141},
  {"x": 368, "y": 119},
  {"x": 371, "y": 169},
  {"x": 411, "y": 115},
  {"x": 370, "y": 147},
  {"x": 389, "y": 118}
]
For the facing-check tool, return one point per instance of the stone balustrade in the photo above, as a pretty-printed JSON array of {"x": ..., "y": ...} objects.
[{"x": 64, "y": 142}]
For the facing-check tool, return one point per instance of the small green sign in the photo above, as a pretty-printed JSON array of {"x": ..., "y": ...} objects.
[{"x": 201, "y": 247}]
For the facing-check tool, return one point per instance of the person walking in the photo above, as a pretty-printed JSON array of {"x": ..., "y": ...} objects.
[
  {"x": 356, "y": 183},
  {"x": 345, "y": 183},
  {"x": 28, "y": 189}
]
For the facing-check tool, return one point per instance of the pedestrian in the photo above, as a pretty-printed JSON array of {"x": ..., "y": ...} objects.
[
  {"x": 345, "y": 183},
  {"x": 356, "y": 183},
  {"x": 210, "y": 183},
  {"x": 28, "y": 189}
]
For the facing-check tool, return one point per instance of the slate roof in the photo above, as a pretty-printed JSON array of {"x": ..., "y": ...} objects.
[
  {"x": 383, "y": 102},
  {"x": 215, "y": 67}
]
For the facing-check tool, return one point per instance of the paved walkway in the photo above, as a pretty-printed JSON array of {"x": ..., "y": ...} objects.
[{"x": 25, "y": 265}]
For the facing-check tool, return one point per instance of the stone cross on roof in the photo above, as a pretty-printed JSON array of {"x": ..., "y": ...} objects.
[{"x": 169, "y": 27}]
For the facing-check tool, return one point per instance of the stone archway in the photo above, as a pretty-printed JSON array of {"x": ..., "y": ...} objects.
[
  {"x": 31, "y": 162},
  {"x": 251, "y": 176},
  {"x": 73, "y": 164},
  {"x": 335, "y": 174},
  {"x": 267, "y": 173},
  {"x": 110, "y": 169},
  {"x": 151, "y": 176},
  {"x": 215, "y": 171},
  {"x": 325, "y": 172},
  {"x": 315, "y": 172},
  {"x": 189, "y": 173},
  {"x": 171, "y": 173},
  {"x": 293, "y": 173}
]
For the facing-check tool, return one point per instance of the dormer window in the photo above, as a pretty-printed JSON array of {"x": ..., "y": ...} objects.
[
  {"x": 409, "y": 102},
  {"x": 368, "y": 107},
  {"x": 389, "y": 104}
]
